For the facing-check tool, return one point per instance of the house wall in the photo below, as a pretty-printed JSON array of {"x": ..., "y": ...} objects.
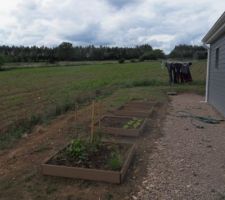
[{"x": 216, "y": 95}]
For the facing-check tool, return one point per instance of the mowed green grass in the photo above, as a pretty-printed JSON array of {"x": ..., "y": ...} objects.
[{"x": 40, "y": 91}]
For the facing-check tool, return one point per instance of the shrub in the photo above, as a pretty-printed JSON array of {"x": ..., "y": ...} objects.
[
  {"x": 141, "y": 59},
  {"x": 133, "y": 61},
  {"x": 121, "y": 61},
  {"x": 2, "y": 61}
]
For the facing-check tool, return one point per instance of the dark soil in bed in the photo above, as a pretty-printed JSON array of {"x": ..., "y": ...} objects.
[
  {"x": 116, "y": 122},
  {"x": 95, "y": 160}
]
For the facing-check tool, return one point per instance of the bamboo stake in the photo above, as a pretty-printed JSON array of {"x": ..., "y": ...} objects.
[
  {"x": 92, "y": 120},
  {"x": 100, "y": 114},
  {"x": 76, "y": 110},
  {"x": 76, "y": 118}
]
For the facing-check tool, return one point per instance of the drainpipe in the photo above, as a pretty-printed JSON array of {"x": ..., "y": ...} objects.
[{"x": 207, "y": 73}]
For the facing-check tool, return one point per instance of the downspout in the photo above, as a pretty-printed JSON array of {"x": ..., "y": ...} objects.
[{"x": 207, "y": 73}]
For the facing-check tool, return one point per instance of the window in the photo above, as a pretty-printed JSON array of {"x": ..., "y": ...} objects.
[{"x": 217, "y": 58}]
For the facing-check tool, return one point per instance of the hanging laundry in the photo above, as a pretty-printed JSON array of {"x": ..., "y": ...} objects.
[{"x": 179, "y": 72}]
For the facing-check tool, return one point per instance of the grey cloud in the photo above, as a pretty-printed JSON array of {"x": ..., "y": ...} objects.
[
  {"x": 121, "y": 3},
  {"x": 89, "y": 35}
]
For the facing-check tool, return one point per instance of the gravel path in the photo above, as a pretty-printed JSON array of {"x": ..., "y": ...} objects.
[{"x": 189, "y": 162}]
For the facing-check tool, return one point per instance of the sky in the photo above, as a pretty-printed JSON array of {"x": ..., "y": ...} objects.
[{"x": 160, "y": 23}]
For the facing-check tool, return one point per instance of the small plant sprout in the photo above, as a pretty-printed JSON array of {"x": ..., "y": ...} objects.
[
  {"x": 134, "y": 123},
  {"x": 115, "y": 161}
]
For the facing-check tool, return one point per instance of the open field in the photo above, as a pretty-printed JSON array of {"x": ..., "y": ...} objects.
[{"x": 38, "y": 94}]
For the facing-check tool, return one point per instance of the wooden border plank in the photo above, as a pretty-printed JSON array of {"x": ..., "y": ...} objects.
[
  {"x": 127, "y": 162},
  {"x": 89, "y": 174},
  {"x": 121, "y": 131}
]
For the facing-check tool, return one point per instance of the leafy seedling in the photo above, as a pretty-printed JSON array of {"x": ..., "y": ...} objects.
[
  {"x": 115, "y": 161},
  {"x": 125, "y": 126},
  {"x": 78, "y": 149},
  {"x": 134, "y": 123}
]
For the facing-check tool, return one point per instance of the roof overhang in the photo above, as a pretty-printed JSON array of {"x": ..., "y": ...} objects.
[{"x": 216, "y": 31}]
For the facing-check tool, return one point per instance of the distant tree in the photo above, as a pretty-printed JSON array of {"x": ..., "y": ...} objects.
[
  {"x": 188, "y": 52},
  {"x": 145, "y": 48},
  {"x": 200, "y": 55},
  {"x": 152, "y": 55},
  {"x": 2, "y": 61},
  {"x": 159, "y": 53},
  {"x": 148, "y": 56},
  {"x": 65, "y": 51}
]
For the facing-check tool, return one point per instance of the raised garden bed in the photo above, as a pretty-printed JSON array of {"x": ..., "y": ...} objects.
[
  {"x": 94, "y": 167},
  {"x": 135, "y": 109},
  {"x": 122, "y": 126},
  {"x": 140, "y": 105}
]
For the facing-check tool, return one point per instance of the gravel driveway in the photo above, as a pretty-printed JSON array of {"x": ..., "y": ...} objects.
[{"x": 189, "y": 162}]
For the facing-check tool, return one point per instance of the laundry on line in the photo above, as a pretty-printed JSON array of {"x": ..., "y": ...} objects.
[{"x": 179, "y": 72}]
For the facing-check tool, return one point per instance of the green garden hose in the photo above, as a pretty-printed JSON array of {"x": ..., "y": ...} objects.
[{"x": 208, "y": 120}]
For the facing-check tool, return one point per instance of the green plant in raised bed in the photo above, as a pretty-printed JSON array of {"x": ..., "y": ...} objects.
[
  {"x": 81, "y": 148},
  {"x": 134, "y": 123},
  {"x": 78, "y": 149},
  {"x": 126, "y": 126},
  {"x": 115, "y": 161},
  {"x": 137, "y": 123},
  {"x": 96, "y": 143}
]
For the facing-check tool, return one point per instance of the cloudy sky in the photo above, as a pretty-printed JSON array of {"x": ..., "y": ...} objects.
[{"x": 161, "y": 23}]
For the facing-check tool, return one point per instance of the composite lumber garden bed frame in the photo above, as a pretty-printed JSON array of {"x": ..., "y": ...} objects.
[
  {"x": 120, "y": 131},
  {"x": 135, "y": 109},
  {"x": 109, "y": 176}
]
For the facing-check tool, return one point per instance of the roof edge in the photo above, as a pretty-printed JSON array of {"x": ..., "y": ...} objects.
[{"x": 215, "y": 31}]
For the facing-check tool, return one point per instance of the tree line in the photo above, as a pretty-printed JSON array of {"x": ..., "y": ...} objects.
[
  {"x": 188, "y": 52},
  {"x": 67, "y": 52}
]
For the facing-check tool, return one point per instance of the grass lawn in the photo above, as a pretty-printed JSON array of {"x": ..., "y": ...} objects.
[{"x": 32, "y": 95}]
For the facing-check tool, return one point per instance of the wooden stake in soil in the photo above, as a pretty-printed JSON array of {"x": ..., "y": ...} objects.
[
  {"x": 100, "y": 114},
  {"x": 92, "y": 120},
  {"x": 76, "y": 118},
  {"x": 76, "y": 108}
]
